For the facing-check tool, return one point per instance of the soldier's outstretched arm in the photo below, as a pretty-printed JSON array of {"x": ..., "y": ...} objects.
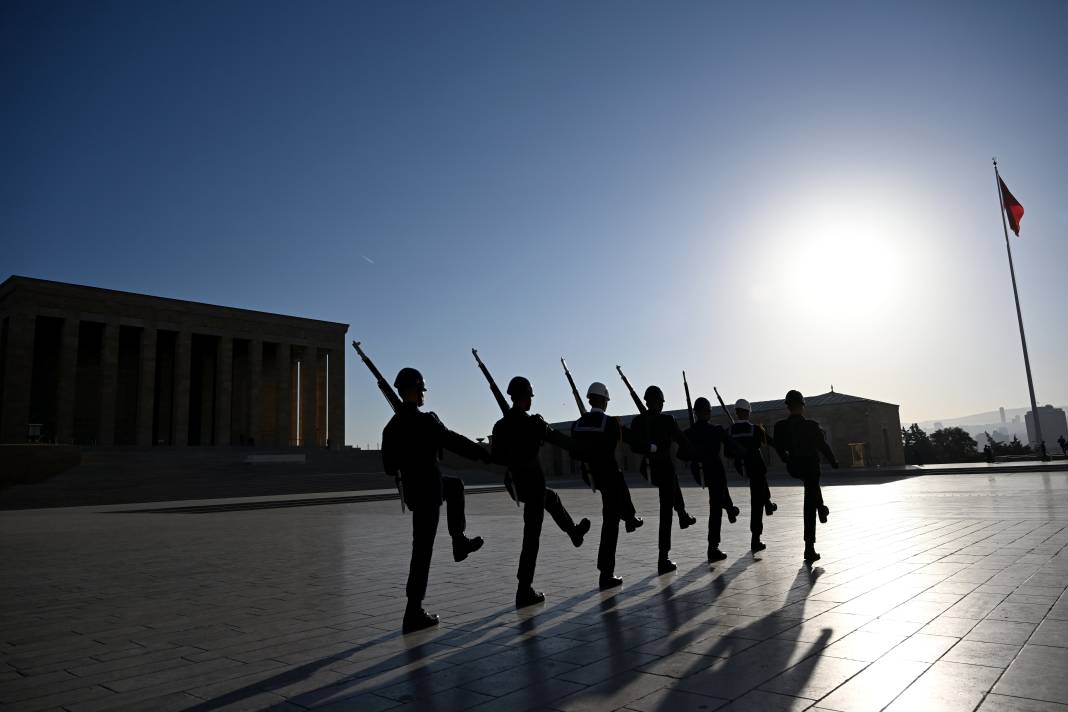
[
  {"x": 462, "y": 446},
  {"x": 555, "y": 437}
]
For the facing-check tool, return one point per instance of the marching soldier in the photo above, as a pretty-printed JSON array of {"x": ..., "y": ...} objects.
[
  {"x": 410, "y": 444},
  {"x": 517, "y": 439},
  {"x": 650, "y": 435},
  {"x": 595, "y": 436},
  {"x": 749, "y": 438},
  {"x": 707, "y": 440},
  {"x": 800, "y": 442}
]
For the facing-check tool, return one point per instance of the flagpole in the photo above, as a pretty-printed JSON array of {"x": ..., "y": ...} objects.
[{"x": 1019, "y": 317}]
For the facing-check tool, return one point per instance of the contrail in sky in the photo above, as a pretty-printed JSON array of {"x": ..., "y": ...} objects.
[{"x": 368, "y": 259}]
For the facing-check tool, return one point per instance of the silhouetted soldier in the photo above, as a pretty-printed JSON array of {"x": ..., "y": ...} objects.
[
  {"x": 749, "y": 438},
  {"x": 651, "y": 434},
  {"x": 1064, "y": 445},
  {"x": 411, "y": 442},
  {"x": 595, "y": 436},
  {"x": 517, "y": 440},
  {"x": 708, "y": 441},
  {"x": 800, "y": 442}
]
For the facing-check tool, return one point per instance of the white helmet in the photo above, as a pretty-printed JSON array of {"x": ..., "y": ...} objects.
[
  {"x": 743, "y": 404},
  {"x": 597, "y": 389}
]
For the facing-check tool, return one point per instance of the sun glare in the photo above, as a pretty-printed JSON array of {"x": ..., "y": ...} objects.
[{"x": 850, "y": 262}]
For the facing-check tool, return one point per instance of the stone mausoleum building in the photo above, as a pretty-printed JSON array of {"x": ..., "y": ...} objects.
[{"x": 106, "y": 368}]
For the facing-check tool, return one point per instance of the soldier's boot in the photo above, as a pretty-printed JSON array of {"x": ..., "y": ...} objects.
[
  {"x": 462, "y": 546},
  {"x": 609, "y": 581},
  {"x": 665, "y": 566},
  {"x": 770, "y": 507},
  {"x": 633, "y": 523},
  {"x": 757, "y": 545},
  {"x": 810, "y": 554},
  {"x": 527, "y": 596},
  {"x": 732, "y": 514},
  {"x": 823, "y": 510},
  {"x": 686, "y": 520},
  {"x": 579, "y": 531},
  {"x": 416, "y": 618},
  {"x": 714, "y": 554}
]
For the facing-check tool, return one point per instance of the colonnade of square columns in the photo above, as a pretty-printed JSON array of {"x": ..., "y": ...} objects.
[{"x": 106, "y": 382}]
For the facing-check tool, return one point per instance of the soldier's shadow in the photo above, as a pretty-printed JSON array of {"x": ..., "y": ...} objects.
[{"x": 661, "y": 613}]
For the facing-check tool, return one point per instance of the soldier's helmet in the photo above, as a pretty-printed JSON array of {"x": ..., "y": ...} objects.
[
  {"x": 794, "y": 398},
  {"x": 597, "y": 389},
  {"x": 520, "y": 387},
  {"x": 407, "y": 378},
  {"x": 654, "y": 393},
  {"x": 702, "y": 405}
]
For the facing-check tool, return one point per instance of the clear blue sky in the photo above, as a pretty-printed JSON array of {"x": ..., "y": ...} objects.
[{"x": 783, "y": 195}]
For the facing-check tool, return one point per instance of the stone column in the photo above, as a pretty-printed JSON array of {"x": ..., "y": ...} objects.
[
  {"x": 18, "y": 372},
  {"x": 309, "y": 390},
  {"x": 224, "y": 390},
  {"x": 68, "y": 376},
  {"x": 284, "y": 401},
  {"x": 109, "y": 367},
  {"x": 146, "y": 387},
  {"x": 180, "y": 421},
  {"x": 337, "y": 398},
  {"x": 255, "y": 400}
]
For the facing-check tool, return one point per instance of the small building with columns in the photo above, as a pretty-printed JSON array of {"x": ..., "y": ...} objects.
[{"x": 104, "y": 368}]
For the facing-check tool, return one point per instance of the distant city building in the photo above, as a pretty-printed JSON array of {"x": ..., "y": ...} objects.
[
  {"x": 1002, "y": 411},
  {"x": 100, "y": 367},
  {"x": 1054, "y": 425},
  {"x": 861, "y": 432}
]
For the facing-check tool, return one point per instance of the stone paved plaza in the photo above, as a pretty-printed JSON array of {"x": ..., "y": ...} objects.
[{"x": 938, "y": 592}]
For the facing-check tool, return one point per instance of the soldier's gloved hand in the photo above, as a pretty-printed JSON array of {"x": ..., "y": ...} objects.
[{"x": 652, "y": 448}]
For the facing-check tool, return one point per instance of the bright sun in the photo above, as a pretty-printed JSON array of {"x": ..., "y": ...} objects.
[{"x": 849, "y": 259}]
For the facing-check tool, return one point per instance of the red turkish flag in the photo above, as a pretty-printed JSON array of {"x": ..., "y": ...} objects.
[{"x": 1013, "y": 207}]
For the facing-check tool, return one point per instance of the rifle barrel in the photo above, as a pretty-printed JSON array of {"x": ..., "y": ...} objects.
[
  {"x": 574, "y": 389},
  {"x": 634, "y": 396},
  {"x": 689, "y": 404},
  {"x": 501, "y": 402},
  {"x": 723, "y": 405}
]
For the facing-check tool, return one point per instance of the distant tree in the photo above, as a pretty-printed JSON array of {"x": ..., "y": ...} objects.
[
  {"x": 918, "y": 447},
  {"x": 954, "y": 445},
  {"x": 1017, "y": 448}
]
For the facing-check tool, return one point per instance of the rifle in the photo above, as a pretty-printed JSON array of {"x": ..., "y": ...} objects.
[
  {"x": 643, "y": 468},
  {"x": 634, "y": 396},
  {"x": 391, "y": 397},
  {"x": 583, "y": 468},
  {"x": 723, "y": 405},
  {"x": 574, "y": 390},
  {"x": 501, "y": 402},
  {"x": 693, "y": 421},
  {"x": 503, "y": 405}
]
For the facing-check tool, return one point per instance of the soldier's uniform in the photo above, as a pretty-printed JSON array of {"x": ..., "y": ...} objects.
[
  {"x": 799, "y": 443},
  {"x": 749, "y": 438},
  {"x": 595, "y": 436},
  {"x": 410, "y": 445},
  {"x": 651, "y": 436},
  {"x": 516, "y": 442},
  {"x": 708, "y": 441}
]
